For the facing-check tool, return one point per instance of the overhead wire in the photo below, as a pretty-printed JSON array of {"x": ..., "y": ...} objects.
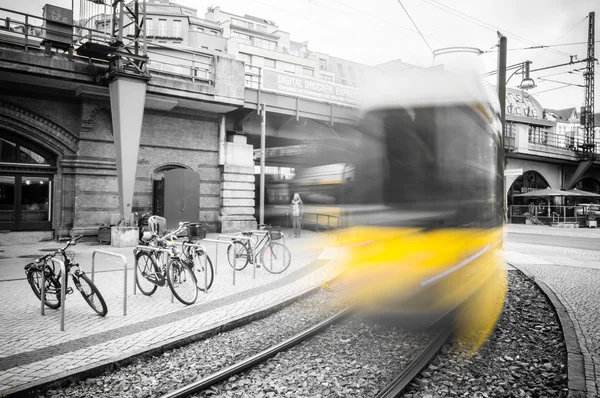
[
  {"x": 486, "y": 25},
  {"x": 416, "y": 27},
  {"x": 543, "y": 46},
  {"x": 551, "y": 89}
]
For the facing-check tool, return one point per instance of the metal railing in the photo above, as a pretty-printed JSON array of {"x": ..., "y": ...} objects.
[
  {"x": 27, "y": 31},
  {"x": 541, "y": 137},
  {"x": 557, "y": 214},
  {"x": 63, "y": 282},
  {"x": 122, "y": 257},
  {"x": 328, "y": 226}
]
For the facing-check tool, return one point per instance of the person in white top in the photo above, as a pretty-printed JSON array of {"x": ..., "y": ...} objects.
[{"x": 297, "y": 212}]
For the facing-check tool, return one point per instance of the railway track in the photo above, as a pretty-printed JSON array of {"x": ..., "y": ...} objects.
[{"x": 393, "y": 389}]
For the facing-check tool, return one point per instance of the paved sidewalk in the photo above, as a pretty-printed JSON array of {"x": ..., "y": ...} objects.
[
  {"x": 34, "y": 351},
  {"x": 554, "y": 231},
  {"x": 572, "y": 275}
]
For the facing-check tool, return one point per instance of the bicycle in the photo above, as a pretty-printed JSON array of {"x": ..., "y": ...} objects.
[
  {"x": 164, "y": 264},
  {"x": 52, "y": 288},
  {"x": 278, "y": 256}
]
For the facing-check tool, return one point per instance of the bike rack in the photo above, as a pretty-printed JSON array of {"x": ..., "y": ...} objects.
[
  {"x": 63, "y": 282},
  {"x": 144, "y": 248},
  {"x": 235, "y": 257},
  {"x": 122, "y": 257},
  {"x": 202, "y": 259}
]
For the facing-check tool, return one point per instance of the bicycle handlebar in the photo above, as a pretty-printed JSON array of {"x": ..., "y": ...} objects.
[{"x": 71, "y": 242}]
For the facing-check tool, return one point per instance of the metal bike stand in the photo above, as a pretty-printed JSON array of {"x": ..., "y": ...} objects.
[
  {"x": 122, "y": 257},
  {"x": 156, "y": 249},
  {"x": 229, "y": 244},
  {"x": 63, "y": 281},
  {"x": 251, "y": 242},
  {"x": 204, "y": 258}
]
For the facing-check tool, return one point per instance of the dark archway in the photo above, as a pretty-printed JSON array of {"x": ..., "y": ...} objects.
[
  {"x": 158, "y": 187},
  {"x": 590, "y": 184},
  {"x": 530, "y": 180}
]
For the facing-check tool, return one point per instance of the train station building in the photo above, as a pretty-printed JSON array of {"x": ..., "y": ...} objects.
[{"x": 213, "y": 78}]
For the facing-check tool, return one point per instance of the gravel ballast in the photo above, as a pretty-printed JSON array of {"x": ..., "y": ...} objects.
[{"x": 524, "y": 357}]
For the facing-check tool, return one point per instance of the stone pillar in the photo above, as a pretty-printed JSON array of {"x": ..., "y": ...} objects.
[{"x": 237, "y": 186}]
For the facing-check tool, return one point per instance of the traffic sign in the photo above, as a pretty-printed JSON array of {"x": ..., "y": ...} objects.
[{"x": 513, "y": 172}]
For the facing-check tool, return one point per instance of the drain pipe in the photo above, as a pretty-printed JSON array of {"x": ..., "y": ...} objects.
[{"x": 222, "y": 139}]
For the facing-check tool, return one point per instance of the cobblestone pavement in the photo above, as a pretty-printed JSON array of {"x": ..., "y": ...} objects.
[
  {"x": 34, "y": 350},
  {"x": 574, "y": 276}
]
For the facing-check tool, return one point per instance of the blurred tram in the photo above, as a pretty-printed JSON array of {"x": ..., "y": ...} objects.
[{"x": 419, "y": 186}]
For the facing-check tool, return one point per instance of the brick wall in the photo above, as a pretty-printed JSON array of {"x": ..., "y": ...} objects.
[{"x": 85, "y": 186}]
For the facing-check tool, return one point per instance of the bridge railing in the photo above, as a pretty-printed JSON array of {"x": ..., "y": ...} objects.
[{"x": 28, "y": 32}]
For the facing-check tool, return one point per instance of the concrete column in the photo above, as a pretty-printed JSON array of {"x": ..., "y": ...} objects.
[{"x": 127, "y": 100}]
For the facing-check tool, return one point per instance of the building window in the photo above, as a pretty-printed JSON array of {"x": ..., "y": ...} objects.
[
  {"x": 199, "y": 29},
  {"x": 149, "y": 27},
  {"x": 308, "y": 71},
  {"x": 214, "y": 32},
  {"x": 261, "y": 28},
  {"x": 176, "y": 28},
  {"x": 327, "y": 78},
  {"x": 240, "y": 35},
  {"x": 270, "y": 63},
  {"x": 343, "y": 81},
  {"x": 162, "y": 27},
  {"x": 247, "y": 58},
  {"x": 322, "y": 64},
  {"x": 341, "y": 69},
  {"x": 287, "y": 67},
  {"x": 263, "y": 43},
  {"x": 243, "y": 24}
]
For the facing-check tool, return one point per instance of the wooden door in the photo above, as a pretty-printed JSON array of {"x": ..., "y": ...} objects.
[{"x": 182, "y": 196}]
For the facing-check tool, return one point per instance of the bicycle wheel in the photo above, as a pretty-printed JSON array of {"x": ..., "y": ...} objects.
[
  {"x": 242, "y": 255},
  {"x": 90, "y": 293},
  {"x": 182, "y": 281},
  {"x": 145, "y": 267},
  {"x": 275, "y": 257},
  {"x": 209, "y": 274},
  {"x": 52, "y": 288}
]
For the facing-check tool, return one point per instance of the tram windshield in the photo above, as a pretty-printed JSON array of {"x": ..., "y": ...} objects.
[{"x": 442, "y": 158}]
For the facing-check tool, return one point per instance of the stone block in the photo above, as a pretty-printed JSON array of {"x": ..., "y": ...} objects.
[
  {"x": 239, "y": 154},
  {"x": 230, "y": 226},
  {"x": 208, "y": 216},
  {"x": 238, "y": 177},
  {"x": 238, "y": 186},
  {"x": 124, "y": 236},
  {"x": 240, "y": 202},
  {"x": 237, "y": 194},
  {"x": 230, "y": 211},
  {"x": 233, "y": 169}
]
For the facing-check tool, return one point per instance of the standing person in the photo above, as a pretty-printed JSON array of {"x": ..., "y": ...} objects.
[{"x": 297, "y": 213}]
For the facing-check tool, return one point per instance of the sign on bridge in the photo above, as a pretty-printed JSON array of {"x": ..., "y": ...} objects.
[
  {"x": 300, "y": 86},
  {"x": 513, "y": 172}
]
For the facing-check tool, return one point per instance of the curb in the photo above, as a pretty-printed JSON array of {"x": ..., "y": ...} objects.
[
  {"x": 575, "y": 361},
  {"x": 110, "y": 365}
]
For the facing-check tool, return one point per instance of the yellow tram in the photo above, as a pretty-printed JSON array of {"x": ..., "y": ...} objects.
[{"x": 422, "y": 211}]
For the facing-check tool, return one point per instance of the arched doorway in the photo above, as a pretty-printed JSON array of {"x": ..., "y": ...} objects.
[
  {"x": 176, "y": 194},
  {"x": 589, "y": 184},
  {"x": 530, "y": 180},
  {"x": 26, "y": 184}
]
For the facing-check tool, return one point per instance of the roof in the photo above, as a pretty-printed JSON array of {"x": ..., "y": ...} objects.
[{"x": 563, "y": 114}]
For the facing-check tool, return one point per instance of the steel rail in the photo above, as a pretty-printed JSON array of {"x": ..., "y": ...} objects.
[
  {"x": 397, "y": 386},
  {"x": 249, "y": 362}
]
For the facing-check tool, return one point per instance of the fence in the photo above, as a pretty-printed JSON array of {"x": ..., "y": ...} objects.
[
  {"x": 27, "y": 31},
  {"x": 519, "y": 214}
]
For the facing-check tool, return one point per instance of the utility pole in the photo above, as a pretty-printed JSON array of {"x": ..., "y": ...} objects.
[
  {"x": 502, "y": 49},
  {"x": 587, "y": 112}
]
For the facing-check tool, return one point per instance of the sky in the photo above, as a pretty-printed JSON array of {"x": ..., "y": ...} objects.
[{"x": 376, "y": 31}]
